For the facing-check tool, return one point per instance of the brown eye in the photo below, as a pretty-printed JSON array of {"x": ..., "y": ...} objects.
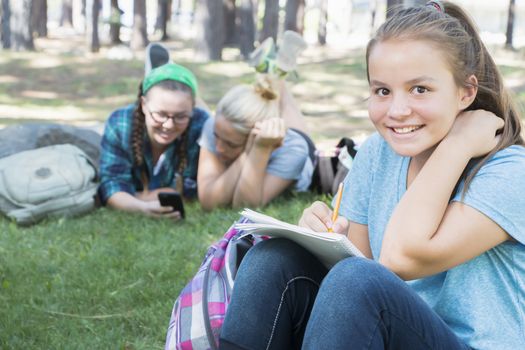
[
  {"x": 382, "y": 92},
  {"x": 419, "y": 89}
]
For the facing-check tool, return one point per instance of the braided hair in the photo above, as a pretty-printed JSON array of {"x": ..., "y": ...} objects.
[{"x": 139, "y": 129}]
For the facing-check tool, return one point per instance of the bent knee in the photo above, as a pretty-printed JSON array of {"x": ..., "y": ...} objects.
[
  {"x": 360, "y": 274},
  {"x": 278, "y": 255}
]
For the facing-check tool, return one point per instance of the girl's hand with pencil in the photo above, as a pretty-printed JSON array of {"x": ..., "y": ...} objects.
[{"x": 319, "y": 217}]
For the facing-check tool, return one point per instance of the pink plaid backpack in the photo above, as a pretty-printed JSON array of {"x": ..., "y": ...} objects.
[{"x": 199, "y": 310}]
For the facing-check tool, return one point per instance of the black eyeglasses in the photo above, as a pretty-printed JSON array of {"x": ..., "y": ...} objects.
[{"x": 161, "y": 118}]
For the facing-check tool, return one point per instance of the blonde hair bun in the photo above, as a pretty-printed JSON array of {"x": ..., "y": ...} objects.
[{"x": 264, "y": 87}]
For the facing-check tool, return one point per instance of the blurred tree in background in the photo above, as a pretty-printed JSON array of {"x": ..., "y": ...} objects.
[{"x": 212, "y": 24}]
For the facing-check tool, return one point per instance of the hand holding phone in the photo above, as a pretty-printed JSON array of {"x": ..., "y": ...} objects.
[{"x": 172, "y": 199}]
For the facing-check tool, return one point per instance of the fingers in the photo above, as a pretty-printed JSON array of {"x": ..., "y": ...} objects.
[
  {"x": 174, "y": 215},
  {"x": 271, "y": 132},
  {"x": 341, "y": 225},
  {"x": 317, "y": 217}
]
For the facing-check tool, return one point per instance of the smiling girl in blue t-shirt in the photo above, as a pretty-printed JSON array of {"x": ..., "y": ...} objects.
[{"x": 436, "y": 198}]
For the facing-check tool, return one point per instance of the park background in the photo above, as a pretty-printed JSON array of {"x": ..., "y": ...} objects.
[{"x": 107, "y": 280}]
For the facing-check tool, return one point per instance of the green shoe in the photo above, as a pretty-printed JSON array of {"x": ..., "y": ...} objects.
[
  {"x": 292, "y": 44},
  {"x": 263, "y": 57}
]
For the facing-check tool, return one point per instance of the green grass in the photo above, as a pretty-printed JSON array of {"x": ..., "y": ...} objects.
[{"x": 106, "y": 280}]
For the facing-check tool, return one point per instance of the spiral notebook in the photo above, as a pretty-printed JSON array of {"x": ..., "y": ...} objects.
[{"x": 328, "y": 247}]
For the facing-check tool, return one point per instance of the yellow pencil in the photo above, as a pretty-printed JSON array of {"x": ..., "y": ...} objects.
[{"x": 338, "y": 198}]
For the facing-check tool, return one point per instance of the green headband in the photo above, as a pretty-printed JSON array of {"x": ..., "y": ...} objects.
[{"x": 170, "y": 71}]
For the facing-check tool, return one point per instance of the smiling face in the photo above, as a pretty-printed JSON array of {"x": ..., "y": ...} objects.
[
  {"x": 229, "y": 142},
  {"x": 158, "y": 103},
  {"x": 413, "y": 97}
]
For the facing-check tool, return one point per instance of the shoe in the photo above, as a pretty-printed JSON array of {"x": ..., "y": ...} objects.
[
  {"x": 156, "y": 56},
  {"x": 292, "y": 44},
  {"x": 263, "y": 57}
]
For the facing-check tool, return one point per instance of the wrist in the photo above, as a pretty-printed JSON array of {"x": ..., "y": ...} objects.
[
  {"x": 455, "y": 145},
  {"x": 262, "y": 148}
]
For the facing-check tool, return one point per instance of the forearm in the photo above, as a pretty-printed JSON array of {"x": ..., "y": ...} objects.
[
  {"x": 250, "y": 186},
  {"x": 218, "y": 191},
  {"x": 420, "y": 211},
  {"x": 126, "y": 201}
]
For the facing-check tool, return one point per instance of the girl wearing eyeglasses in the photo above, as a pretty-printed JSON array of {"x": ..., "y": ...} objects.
[{"x": 151, "y": 146}]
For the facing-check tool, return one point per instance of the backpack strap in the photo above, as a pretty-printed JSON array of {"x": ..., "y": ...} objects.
[{"x": 309, "y": 142}]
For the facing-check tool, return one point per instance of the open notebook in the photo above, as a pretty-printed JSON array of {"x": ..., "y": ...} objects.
[{"x": 328, "y": 247}]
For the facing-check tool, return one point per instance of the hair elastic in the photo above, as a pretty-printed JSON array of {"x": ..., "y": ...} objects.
[{"x": 437, "y": 5}]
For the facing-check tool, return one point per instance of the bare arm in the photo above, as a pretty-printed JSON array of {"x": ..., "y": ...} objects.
[
  {"x": 151, "y": 207},
  {"x": 426, "y": 234},
  {"x": 215, "y": 181},
  {"x": 255, "y": 186}
]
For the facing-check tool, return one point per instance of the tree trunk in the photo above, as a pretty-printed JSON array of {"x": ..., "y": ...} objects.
[
  {"x": 392, "y": 4},
  {"x": 66, "y": 16},
  {"x": 247, "y": 17},
  {"x": 230, "y": 25},
  {"x": 294, "y": 19},
  {"x": 323, "y": 21},
  {"x": 373, "y": 12},
  {"x": 92, "y": 12},
  {"x": 139, "y": 37},
  {"x": 20, "y": 25},
  {"x": 209, "y": 17},
  {"x": 270, "y": 20},
  {"x": 114, "y": 23},
  {"x": 163, "y": 17},
  {"x": 510, "y": 25},
  {"x": 39, "y": 17},
  {"x": 6, "y": 30},
  {"x": 79, "y": 16}
]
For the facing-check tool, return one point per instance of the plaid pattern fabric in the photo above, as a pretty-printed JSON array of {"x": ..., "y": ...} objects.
[
  {"x": 117, "y": 172},
  {"x": 199, "y": 311}
]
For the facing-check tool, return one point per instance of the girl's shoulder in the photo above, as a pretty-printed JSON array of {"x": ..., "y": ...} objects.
[
  {"x": 509, "y": 158},
  {"x": 119, "y": 122},
  {"x": 122, "y": 115},
  {"x": 199, "y": 118}
]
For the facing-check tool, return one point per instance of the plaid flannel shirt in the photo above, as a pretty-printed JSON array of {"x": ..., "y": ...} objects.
[{"x": 119, "y": 174}]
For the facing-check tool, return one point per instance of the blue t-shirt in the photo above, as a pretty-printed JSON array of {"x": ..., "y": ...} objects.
[
  {"x": 482, "y": 300},
  {"x": 291, "y": 161}
]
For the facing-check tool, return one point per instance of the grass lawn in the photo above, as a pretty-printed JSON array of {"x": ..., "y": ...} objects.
[{"x": 106, "y": 280}]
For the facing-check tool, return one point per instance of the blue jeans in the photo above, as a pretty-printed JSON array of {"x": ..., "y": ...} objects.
[{"x": 279, "y": 302}]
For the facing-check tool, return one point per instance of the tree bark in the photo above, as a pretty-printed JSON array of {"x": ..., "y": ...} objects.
[
  {"x": 209, "y": 17},
  {"x": 230, "y": 24},
  {"x": 39, "y": 17},
  {"x": 163, "y": 17},
  {"x": 6, "y": 29},
  {"x": 66, "y": 16},
  {"x": 294, "y": 19},
  {"x": 114, "y": 23},
  {"x": 20, "y": 25},
  {"x": 323, "y": 21},
  {"x": 270, "y": 20},
  {"x": 92, "y": 13},
  {"x": 246, "y": 14},
  {"x": 509, "y": 34},
  {"x": 139, "y": 36}
]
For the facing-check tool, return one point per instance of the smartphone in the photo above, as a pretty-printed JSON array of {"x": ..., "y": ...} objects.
[{"x": 172, "y": 199}]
